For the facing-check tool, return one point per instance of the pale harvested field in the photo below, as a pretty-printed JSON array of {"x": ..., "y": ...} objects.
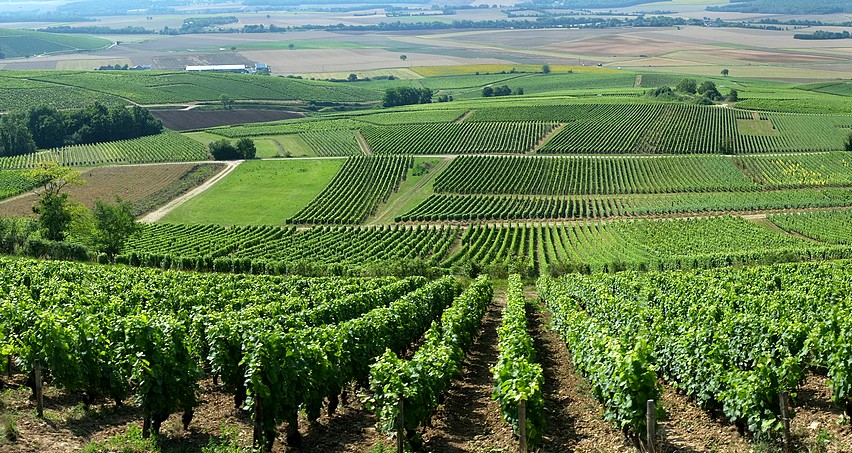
[
  {"x": 752, "y": 56},
  {"x": 659, "y": 61},
  {"x": 337, "y": 60},
  {"x": 84, "y": 63},
  {"x": 402, "y": 73},
  {"x": 621, "y": 45},
  {"x": 131, "y": 183},
  {"x": 753, "y": 71}
]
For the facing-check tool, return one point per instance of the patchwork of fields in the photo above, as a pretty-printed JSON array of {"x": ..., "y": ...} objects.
[{"x": 694, "y": 255}]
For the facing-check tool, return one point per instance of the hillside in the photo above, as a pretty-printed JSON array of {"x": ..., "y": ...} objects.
[
  {"x": 26, "y": 43},
  {"x": 786, "y": 6}
]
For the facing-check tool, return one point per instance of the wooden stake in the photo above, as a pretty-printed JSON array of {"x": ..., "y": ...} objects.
[
  {"x": 651, "y": 421},
  {"x": 785, "y": 419},
  {"x": 400, "y": 428},
  {"x": 39, "y": 391},
  {"x": 522, "y": 425}
]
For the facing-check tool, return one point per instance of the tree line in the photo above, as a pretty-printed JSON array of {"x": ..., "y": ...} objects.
[
  {"x": 822, "y": 34},
  {"x": 46, "y": 127},
  {"x": 406, "y": 96}
]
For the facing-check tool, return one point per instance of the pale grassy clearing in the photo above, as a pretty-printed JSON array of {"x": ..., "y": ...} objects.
[{"x": 259, "y": 193}]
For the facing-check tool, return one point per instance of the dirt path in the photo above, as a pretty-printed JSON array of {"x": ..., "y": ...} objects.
[
  {"x": 574, "y": 422},
  {"x": 469, "y": 420},
  {"x": 546, "y": 138},
  {"x": 464, "y": 117},
  {"x": 387, "y": 213},
  {"x": 168, "y": 207},
  {"x": 362, "y": 142}
]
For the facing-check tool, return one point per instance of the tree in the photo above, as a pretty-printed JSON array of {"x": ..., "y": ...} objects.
[
  {"x": 52, "y": 178},
  {"x": 15, "y": 136},
  {"x": 725, "y": 72},
  {"x": 403, "y": 57},
  {"x": 291, "y": 46},
  {"x": 406, "y": 96},
  {"x": 706, "y": 86},
  {"x": 246, "y": 148},
  {"x": 688, "y": 86},
  {"x": 114, "y": 224},
  {"x": 487, "y": 92},
  {"x": 709, "y": 91},
  {"x": 352, "y": 77},
  {"x": 52, "y": 206},
  {"x": 848, "y": 144},
  {"x": 47, "y": 126},
  {"x": 734, "y": 96},
  {"x": 54, "y": 216},
  {"x": 227, "y": 102},
  {"x": 223, "y": 150},
  {"x": 545, "y": 69}
]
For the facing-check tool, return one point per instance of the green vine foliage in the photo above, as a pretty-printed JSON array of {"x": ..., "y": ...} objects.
[
  {"x": 517, "y": 377},
  {"x": 421, "y": 380},
  {"x": 621, "y": 373}
]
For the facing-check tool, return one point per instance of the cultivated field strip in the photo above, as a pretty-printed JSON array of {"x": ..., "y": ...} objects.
[
  {"x": 336, "y": 142},
  {"x": 831, "y": 227},
  {"x": 275, "y": 250},
  {"x": 165, "y": 147},
  {"x": 464, "y": 138},
  {"x": 674, "y": 128},
  {"x": 13, "y": 183},
  {"x": 355, "y": 193},
  {"x": 590, "y": 176},
  {"x": 153, "y": 338},
  {"x": 527, "y": 248},
  {"x": 731, "y": 339},
  {"x": 472, "y": 208},
  {"x": 800, "y": 170}
]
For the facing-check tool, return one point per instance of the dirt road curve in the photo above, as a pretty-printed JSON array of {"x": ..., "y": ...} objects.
[{"x": 168, "y": 207}]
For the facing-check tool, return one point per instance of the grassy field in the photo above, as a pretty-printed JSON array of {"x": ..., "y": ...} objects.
[{"x": 259, "y": 193}]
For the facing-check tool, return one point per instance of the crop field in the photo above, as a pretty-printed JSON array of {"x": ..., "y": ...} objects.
[
  {"x": 68, "y": 89},
  {"x": 709, "y": 338},
  {"x": 183, "y": 120},
  {"x": 165, "y": 147},
  {"x": 13, "y": 183},
  {"x": 804, "y": 170},
  {"x": 355, "y": 193},
  {"x": 26, "y": 43},
  {"x": 142, "y": 186},
  {"x": 587, "y": 175},
  {"x": 479, "y": 207},
  {"x": 831, "y": 227},
  {"x": 514, "y": 137},
  {"x": 561, "y": 254},
  {"x": 471, "y": 69},
  {"x": 527, "y": 248},
  {"x": 693, "y": 129}
]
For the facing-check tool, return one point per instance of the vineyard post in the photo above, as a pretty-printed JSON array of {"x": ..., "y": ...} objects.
[
  {"x": 651, "y": 421},
  {"x": 522, "y": 424},
  {"x": 258, "y": 423},
  {"x": 785, "y": 419},
  {"x": 39, "y": 391},
  {"x": 400, "y": 427}
]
